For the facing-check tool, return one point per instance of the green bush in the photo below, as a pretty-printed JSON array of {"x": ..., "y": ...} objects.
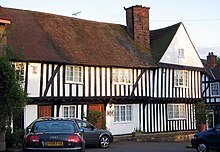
[
  {"x": 96, "y": 118},
  {"x": 14, "y": 140}
]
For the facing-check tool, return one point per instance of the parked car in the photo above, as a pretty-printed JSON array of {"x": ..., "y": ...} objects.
[
  {"x": 94, "y": 136},
  {"x": 204, "y": 141},
  {"x": 54, "y": 134}
]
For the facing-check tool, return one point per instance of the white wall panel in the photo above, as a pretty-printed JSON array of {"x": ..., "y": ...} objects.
[{"x": 30, "y": 114}]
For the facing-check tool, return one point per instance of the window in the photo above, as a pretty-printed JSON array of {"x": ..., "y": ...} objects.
[
  {"x": 122, "y": 76},
  {"x": 181, "y": 78},
  {"x": 214, "y": 89},
  {"x": 74, "y": 74},
  {"x": 84, "y": 124},
  {"x": 19, "y": 68},
  {"x": 69, "y": 111},
  {"x": 181, "y": 53},
  {"x": 122, "y": 113},
  {"x": 176, "y": 111}
]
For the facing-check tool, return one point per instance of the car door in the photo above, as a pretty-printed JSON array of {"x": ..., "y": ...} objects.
[
  {"x": 90, "y": 134},
  {"x": 214, "y": 137}
]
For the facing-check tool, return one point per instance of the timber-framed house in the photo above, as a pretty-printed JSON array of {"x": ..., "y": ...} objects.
[
  {"x": 211, "y": 88},
  {"x": 140, "y": 79}
]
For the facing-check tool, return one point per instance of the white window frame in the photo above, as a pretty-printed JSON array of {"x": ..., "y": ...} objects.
[
  {"x": 181, "y": 78},
  {"x": 69, "y": 111},
  {"x": 214, "y": 87},
  {"x": 74, "y": 74},
  {"x": 20, "y": 71},
  {"x": 122, "y": 76},
  {"x": 123, "y": 113},
  {"x": 176, "y": 111}
]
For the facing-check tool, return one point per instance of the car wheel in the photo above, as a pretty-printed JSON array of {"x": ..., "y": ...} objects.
[
  {"x": 202, "y": 147},
  {"x": 104, "y": 142}
]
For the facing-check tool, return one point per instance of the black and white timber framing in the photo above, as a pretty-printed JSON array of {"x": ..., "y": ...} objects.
[{"x": 152, "y": 89}]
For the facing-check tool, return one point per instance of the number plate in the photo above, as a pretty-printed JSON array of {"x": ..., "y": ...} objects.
[{"x": 54, "y": 143}]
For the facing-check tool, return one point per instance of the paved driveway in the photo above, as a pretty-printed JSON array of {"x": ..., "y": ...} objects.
[{"x": 130, "y": 146}]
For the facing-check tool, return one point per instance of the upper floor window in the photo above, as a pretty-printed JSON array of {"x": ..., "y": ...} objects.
[
  {"x": 176, "y": 111},
  {"x": 122, "y": 113},
  {"x": 122, "y": 76},
  {"x": 19, "y": 69},
  {"x": 69, "y": 111},
  {"x": 181, "y": 53},
  {"x": 180, "y": 78},
  {"x": 74, "y": 74},
  {"x": 215, "y": 89}
]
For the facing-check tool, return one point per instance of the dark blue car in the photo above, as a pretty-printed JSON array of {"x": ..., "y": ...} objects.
[
  {"x": 54, "y": 134},
  {"x": 204, "y": 141}
]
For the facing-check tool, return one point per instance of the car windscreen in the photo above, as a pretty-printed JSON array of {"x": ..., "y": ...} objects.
[{"x": 54, "y": 126}]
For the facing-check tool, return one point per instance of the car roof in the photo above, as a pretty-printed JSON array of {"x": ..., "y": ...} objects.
[{"x": 54, "y": 118}]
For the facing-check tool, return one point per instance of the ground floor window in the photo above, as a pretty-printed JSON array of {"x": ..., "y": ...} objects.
[
  {"x": 122, "y": 113},
  {"x": 69, "y": 111},
  {"x": 176, "y": 111}
]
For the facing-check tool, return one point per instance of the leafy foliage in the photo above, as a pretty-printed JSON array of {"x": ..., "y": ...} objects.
[
  {"x": 12, "y": 96},
  {"x": 95, "y": 118},
  {"x": 201, "y": 114},
  {"x": 14, "y": 139}
]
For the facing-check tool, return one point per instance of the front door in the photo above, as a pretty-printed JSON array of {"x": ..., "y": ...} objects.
[
  {"x": 210, "y": 122},
  {"x": 44, "y": 111},
  {"x": 99, "y": 108}
]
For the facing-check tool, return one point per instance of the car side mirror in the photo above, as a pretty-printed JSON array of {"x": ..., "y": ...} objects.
[
  {"x": 81, "y": 130},
  {"x": 93, "y": 127},
  {"x": 28, "y": 130}
]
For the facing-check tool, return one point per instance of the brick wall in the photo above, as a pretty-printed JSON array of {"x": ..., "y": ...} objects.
[
  {"x": 137, "y": 18},
  {"x": 212, "y": 60}
]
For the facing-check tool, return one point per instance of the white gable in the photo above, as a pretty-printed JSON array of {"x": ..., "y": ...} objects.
[{"x": 181, "y": 51}]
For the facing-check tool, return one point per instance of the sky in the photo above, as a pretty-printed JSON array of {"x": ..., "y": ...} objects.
[{"x": 200, "y": 17}]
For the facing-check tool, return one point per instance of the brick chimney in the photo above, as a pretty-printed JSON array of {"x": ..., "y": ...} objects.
[
  {"x": 3, "y": 34},
  {"x": 212, "y": 60},
  {"x": 137, "y": 18}
]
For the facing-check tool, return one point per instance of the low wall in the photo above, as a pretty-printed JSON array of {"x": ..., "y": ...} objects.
[{"x": 157, "y": 137}]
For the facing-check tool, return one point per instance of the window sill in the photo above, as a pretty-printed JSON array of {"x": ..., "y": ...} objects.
[
  {"x": 171, "y": 119},
  {"x": 118, "y": 83},
  {"x": 186, "y": 87},
  {"x": 70, "y": 82},
  {"x": 123, "y": 122}
]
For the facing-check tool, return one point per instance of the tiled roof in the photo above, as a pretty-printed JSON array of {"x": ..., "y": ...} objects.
[
  {"x": 214, "y": 73},
  {"x": 43, "y": 37},
  {"x": 160, "y": 40}
]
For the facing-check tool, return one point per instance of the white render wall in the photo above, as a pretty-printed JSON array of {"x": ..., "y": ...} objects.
[
  {"x": 182, "y": 41},
  {"x": 30, "y": 114},
  {"x": 118, "y": 128}
]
